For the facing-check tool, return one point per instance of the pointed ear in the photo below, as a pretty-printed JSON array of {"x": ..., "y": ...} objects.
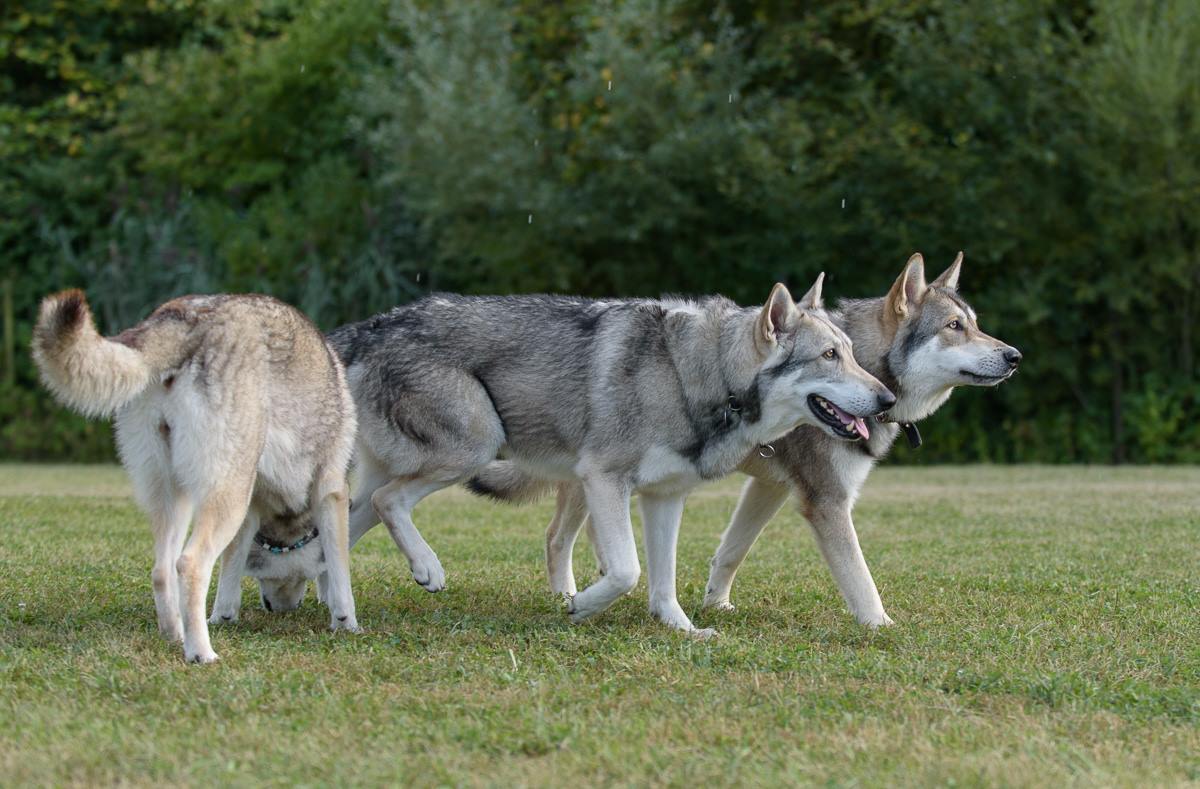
[
  {"x": 909, "y": 287},
  {"x": 812, "y": 299},
  {"x": 949, "y": 277},
  {"x": 776, "y": 318}
]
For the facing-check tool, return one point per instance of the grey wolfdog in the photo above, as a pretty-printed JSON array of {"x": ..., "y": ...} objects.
[
  {"x": 922, "y": 341},
  {"x": 229, "y": 410},
  {"x": 622, "y": 395}
]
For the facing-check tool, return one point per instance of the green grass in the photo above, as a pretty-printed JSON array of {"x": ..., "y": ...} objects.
[{"x": 1046, "y": 634}]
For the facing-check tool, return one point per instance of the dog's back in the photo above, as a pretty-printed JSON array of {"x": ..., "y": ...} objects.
[{"x": 202, "y": 381}]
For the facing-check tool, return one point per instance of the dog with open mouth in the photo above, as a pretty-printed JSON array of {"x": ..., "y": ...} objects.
[
  {"x": 515, "y": 394},
  {"x": 923, "y": 341}
]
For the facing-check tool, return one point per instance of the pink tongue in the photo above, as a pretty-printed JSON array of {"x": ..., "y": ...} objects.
[{"x": 852, "y": 421}]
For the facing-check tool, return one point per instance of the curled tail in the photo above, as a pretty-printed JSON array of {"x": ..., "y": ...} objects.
[
  {"x": 503, "y": 481},
  {"x": 85, "y": 371}
]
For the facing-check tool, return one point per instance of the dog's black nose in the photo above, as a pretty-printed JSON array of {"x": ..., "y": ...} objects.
[
  {"x": 886, "y": 400},
  {"x": 1012, "y": 356}
]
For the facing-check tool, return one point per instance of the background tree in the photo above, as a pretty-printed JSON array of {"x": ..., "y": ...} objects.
[{"x": 348, "y": 156}]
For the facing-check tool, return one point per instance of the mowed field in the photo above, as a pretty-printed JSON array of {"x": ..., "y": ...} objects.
[{"x": 1047, "y": 633}]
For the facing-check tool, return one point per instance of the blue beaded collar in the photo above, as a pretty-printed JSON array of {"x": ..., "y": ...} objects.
[{"x": 275, "y": 547}]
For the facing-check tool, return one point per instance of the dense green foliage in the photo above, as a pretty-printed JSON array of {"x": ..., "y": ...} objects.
[{"x": 347, "y": 156}]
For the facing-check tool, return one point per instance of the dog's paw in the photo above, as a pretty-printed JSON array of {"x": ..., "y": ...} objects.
[
  {"x": 172, "y": 633},
  {"x": 578, "y": 613},
  {"x": 427, "y": 571},
  {"x": 671, "y": 615},
  {"x": 201, "y": 657},
  {"x": 876, "y": 621},
  {"x": 347, "y": 624},
  {"x": 717, "y": 604},
  {"x": 563, "y": 586},
  {"x": 223, "y": 617}
]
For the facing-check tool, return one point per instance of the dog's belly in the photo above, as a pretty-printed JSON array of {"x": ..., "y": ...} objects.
[{"x": 560, "y": 468}]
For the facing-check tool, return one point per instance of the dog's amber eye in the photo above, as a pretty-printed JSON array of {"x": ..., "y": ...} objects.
[
  {"x": 954, "y": 324},
  {"x": 831, "y": 354}
]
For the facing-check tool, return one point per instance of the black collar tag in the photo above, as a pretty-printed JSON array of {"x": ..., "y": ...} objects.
[{"x": 912, "y": 434}]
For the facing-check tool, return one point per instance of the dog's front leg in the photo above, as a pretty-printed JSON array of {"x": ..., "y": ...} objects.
[
  {"x": 332, "y": 517},
  {"x": 363, "y": 518},
  {"x": 228, "y": 604},
  {"x": 760, "y": 500},
  {"x": 838, "y": 542},
  {"x": 608, "y": 503},
  {"x": 661, "y": 516}
]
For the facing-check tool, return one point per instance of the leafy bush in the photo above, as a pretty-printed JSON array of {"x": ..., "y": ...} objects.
[{"x": 347, "y": 156}]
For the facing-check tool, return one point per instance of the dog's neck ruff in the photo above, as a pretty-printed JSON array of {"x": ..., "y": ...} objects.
[
  {"x": 891, "y": 382},
  {"x": 276, "y": 547}
]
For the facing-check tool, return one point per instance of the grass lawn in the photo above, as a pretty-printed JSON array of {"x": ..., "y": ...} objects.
[{"x": 1046, "y": 633}]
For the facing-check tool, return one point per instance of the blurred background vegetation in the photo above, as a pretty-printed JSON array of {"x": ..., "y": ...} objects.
[{"x": 349, "y": 155}]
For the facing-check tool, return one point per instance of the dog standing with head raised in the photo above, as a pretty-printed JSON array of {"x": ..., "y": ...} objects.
[{"x": 922, "y": 340}]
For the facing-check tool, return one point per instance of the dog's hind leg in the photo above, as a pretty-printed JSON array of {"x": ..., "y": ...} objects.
[
  {"x": 394, "y": 503},
  {"x": 426, "y": 442},
  {"x": 331, "y": 515},
  {"x": 170, "y": 513},
  {"x": 569, "y": 516},
  {"x": 217, "y": 521},
  {"x": 363, "y": 516},
  {"x": 608, "y": 504},
  {"x": 759, "y": 502},
  {"x": 228, "y": 604},
  {"x": 661, "y": 516},
  {"x": 144, "y": 439}
]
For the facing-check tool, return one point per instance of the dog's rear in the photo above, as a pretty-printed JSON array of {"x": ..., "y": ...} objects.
[{"x": 227, "y": 408}]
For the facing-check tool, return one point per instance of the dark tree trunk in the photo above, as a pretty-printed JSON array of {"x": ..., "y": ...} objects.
[{"x": 1118, "y": 416}]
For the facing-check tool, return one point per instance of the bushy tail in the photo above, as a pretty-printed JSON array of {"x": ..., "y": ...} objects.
[
  {"x": 85, "y": 371},
  {"x": 503, "y": 481}
]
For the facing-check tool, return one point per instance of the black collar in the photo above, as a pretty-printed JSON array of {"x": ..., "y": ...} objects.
[
  {"x": 277, "y": 547},
  {"x": 910, "y": 430}
]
